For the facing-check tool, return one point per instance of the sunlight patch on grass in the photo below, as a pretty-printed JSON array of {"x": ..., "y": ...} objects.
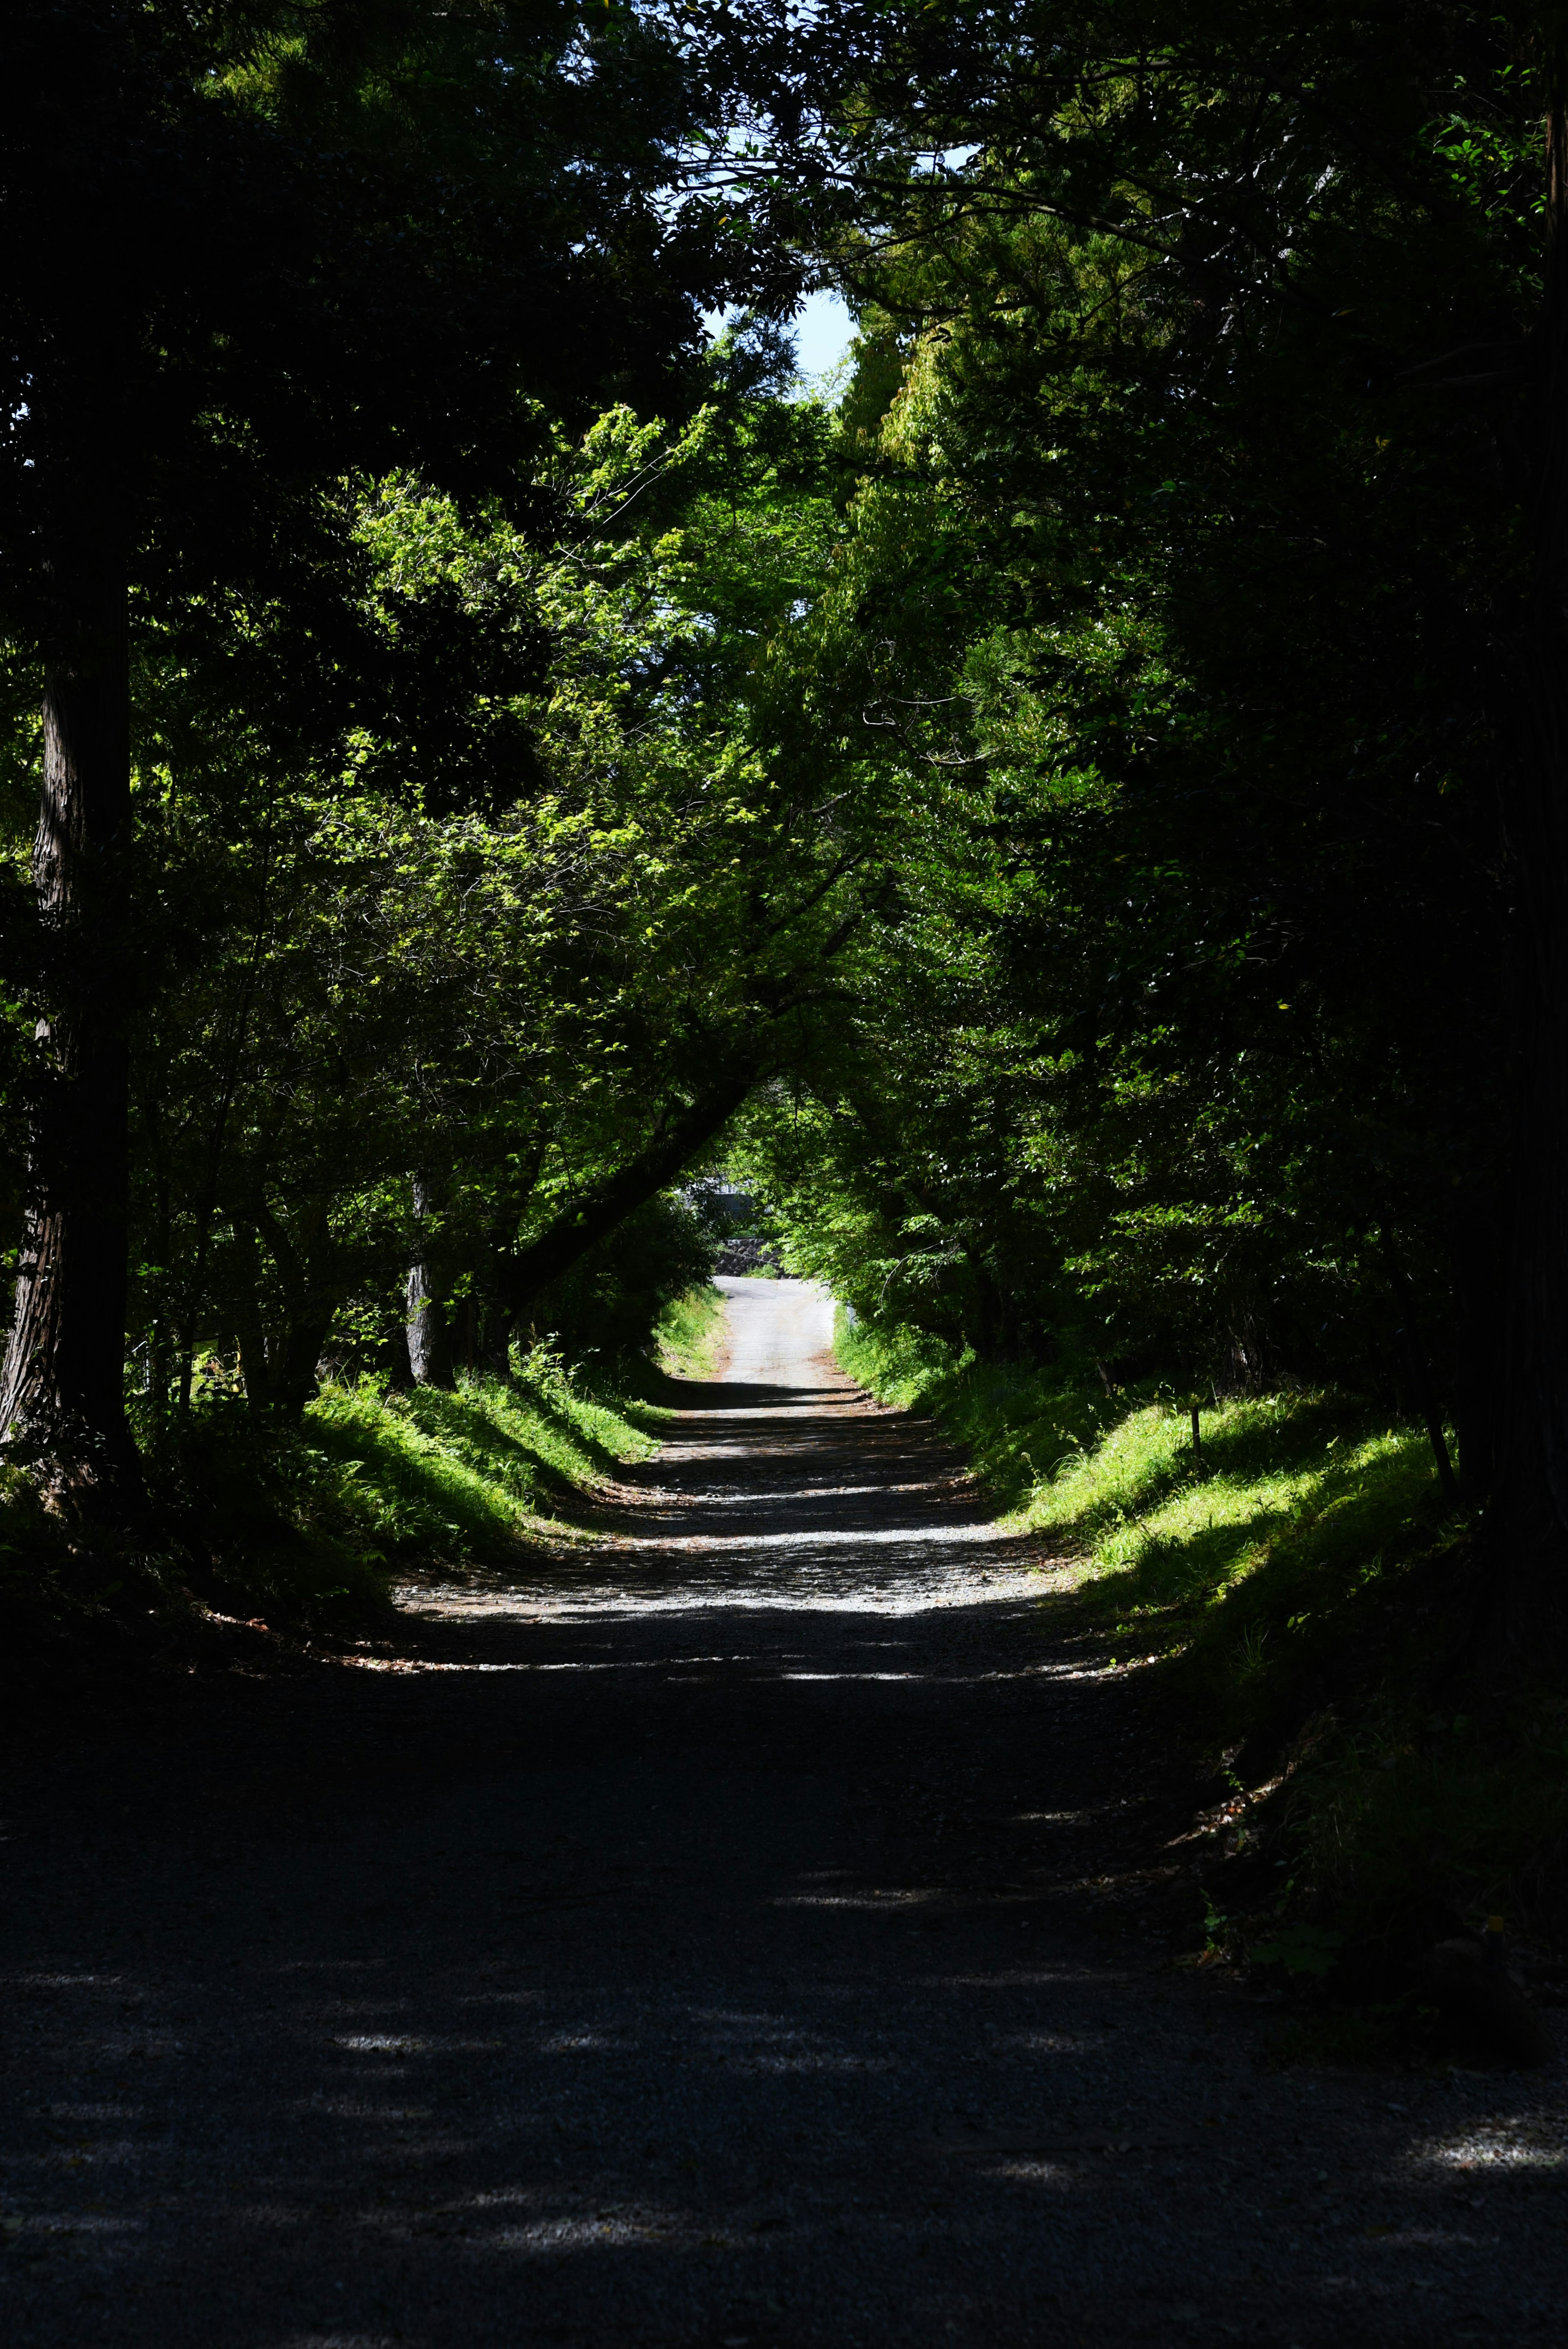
[
  {"x": 1299, "y": 1481},
  {"x": 1294, "y": 1581},
  {"x": 1270, "y": 1467},
  {"x": 1017, "y": 1424},
  {"x": 691, "y": 1334},
  {"x": 1252, "y": 1556},
  {"x": 464, "y": 1474}
]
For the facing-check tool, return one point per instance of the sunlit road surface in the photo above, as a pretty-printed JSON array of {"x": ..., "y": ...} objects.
[
  {"x": 779, "y": 1490},
  {"x": 693, "y": 1941}
]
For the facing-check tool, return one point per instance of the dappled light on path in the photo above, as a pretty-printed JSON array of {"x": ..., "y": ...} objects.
[
  {"x": 779, "y": 1495},
  {"x": 687, "y": 1946}
]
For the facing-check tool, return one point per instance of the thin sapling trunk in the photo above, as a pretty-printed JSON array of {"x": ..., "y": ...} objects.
[{"x": 429, "y": 1331}]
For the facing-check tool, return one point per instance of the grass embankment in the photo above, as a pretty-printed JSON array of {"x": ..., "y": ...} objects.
[
  {"x": 1293, "y": 1587},
  {"x": 309, "y": 1525},
  {"x": 692, "y": 1334},
  {"x": 378, "y": 1485}
]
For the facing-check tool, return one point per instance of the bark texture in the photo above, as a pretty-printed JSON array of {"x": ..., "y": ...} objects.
[
  {"x": 1525, "y": 1539},
  {"x": 62, "y": 1394}
]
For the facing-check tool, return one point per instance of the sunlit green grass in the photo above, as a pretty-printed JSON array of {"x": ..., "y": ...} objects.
[
  {"x": 1277, "y": 1475},
  {"x": 460, "y": 1475},
  {"x": 1251, "y": 1564},
  {"x": 1289, "y": 1582},
  {"x": 1017, "y": 1425},
  {"x": 1250, "y": 1547},
  {"x": 691, "y": 1334},
  {"x": 317, "y": 1520},
  {"x": 309, "y": 1522}
]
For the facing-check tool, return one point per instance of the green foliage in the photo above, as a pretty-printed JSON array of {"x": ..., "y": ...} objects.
[
  {"x": 308, "y": 1525},
  {"x": 1291, "y": 1588},
  {"x": 450, "y": 1477},
  {"x": 311, "y": 1524},
  {"x": 1252, "y": 1563},
  {"x": 611, "y": 1313},
  {"x": 1409, "y": 1812},
  {"x": 1017, "y": 1425},
  {"x": 1291, "y": 1489},
  {"x": 1187, "y": 1043},
  {"x": 526, "y": 891},
  {"x": 691, "y": 1334},
  {"x": 1056, "y": 789},
  {"x": 1034, "y": 780}
]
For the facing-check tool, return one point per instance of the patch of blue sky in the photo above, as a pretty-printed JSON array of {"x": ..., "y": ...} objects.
[{"x": 822, "y": 328}]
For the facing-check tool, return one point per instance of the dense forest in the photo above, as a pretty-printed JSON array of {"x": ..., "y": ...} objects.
[{"x": 1069, "y": 814}]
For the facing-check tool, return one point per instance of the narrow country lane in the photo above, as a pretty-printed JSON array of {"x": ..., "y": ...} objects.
[{"x": 683, "y": 1947}]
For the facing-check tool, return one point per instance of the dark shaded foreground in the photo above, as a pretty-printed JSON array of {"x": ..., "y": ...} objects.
[{"x": 690, "y": 1946}]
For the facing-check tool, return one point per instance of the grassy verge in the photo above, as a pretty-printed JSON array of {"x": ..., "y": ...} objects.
[
  {"x": 309, "y": 1525},
  {"x": 691, "y": 1334},
  {"x": 313, "y": 1521},
  {"x": 450, "y": 1477},
  {"x": 1296, "y": 1588},
  {"x": 1018, "y": 1425}
]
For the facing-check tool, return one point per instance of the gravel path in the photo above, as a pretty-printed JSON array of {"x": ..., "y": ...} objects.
[{"x": 691, "y": 1946}]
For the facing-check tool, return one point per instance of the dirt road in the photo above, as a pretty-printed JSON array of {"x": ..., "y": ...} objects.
[{"x": 684, "y": 1948}]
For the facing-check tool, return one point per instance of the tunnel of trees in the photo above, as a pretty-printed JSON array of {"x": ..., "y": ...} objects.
[{"x": 1073, "y": 810}]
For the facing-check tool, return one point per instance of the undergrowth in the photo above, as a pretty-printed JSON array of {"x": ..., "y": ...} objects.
[
  {"x": 1298, "y": 1588},
  {"x": 373, "y": 1482},
  {"x": 691, "y": 1334},
  {"x": 307, "y": 1524}
]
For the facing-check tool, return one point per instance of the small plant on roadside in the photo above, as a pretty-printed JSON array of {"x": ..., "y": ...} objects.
[{"x": 1301, "y": 1949}]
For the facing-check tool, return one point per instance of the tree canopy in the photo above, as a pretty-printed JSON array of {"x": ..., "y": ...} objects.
[{"x": 1072, "y": 811}]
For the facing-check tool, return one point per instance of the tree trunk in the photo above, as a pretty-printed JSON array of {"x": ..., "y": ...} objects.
[
  {"x": 310, "y": 1296},
  {"x": 1479, "y": 1260},
  {"x": 492, "y": 1338},
  {"x": 249, "y": 1326},
  {"x": 296, "y": 1381},
  {"x": 1423, "y": 1393},
  {"x": 590, "y": 1220},
  {"x": 62, "y": 1391},
  {"x": 429, "y": 1337},
  {"x": 1525, "y": 1537}
]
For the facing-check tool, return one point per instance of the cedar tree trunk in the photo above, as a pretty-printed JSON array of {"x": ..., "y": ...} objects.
[
  {"x": 1525, "y": 1530},
  {"x": 62, "y": 1395}
]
